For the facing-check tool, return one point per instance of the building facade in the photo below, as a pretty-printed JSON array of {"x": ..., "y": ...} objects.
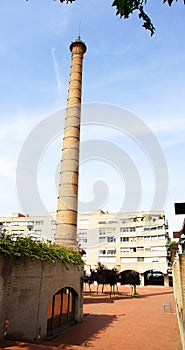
[
  {"x": 37, "y": 227},
  {"x": 127, "y": 241}
]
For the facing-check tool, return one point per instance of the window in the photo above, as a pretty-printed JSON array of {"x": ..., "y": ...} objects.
[
  {"x": 111, "y": 252},
  {"x": 82, "y": 232},
  {"x": 17, "y": 232},
  {"x": 140, "y": 259},
  {"x": 111, "y": 239},
  {"x": 102, "y": 239},
  {"x": 18, "y": 223},
  {"x": 111, "y": 221},
  {"x": 40, "y": 222},
  {"x": 102, "y": 231},
  {"x": 154, "y": 238},
  {"x": 111, "y": 230},
  {"x": 82, "y": 240},
  {"x": 127, "y": 229},
  {"x": 161, "y": 237},
  {"x": 140, "y": 249},
  {"x": 159, "y": 227},
  {"x": 53, "y": 234},
  {"x": 124, "y": 250},
  {"x": 147, "y": 238},
  {"x": 140, "y": 238},
  {"x": 124, "y": 239},
  {"x": 124, "y": 229},
  {"x": 37, "y": 232},
  {"x": 158, "y": 249},
  {"x": 107, "y": 252},
  {"x": 147, "y": 249},
  {"x": 102, "y": 252},
  {"x": 133, "y": 250}
]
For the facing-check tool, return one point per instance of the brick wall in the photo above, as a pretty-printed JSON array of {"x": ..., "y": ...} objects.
[
  {"x": 179, "y": 294},
  {"x": 27, "y": 287}
]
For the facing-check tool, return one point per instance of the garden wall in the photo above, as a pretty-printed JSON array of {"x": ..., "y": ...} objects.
[
  {"x": 179, "y": 294},
  {"x": 27, "y": 287}
]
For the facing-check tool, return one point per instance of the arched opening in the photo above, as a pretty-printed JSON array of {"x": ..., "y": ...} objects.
[
  {"x": 154, "y": 277},
  {"x": 61, "y": 310}
]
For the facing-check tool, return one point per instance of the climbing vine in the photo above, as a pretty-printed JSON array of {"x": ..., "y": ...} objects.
[{"x": 26, "y": 247}]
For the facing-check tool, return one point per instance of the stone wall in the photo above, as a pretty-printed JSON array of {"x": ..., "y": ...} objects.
[
  {"x": 179, "y": 294},
  {"x": 27, "y": 287}
]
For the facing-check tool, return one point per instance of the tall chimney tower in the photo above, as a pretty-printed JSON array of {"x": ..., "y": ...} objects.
[{"x": 66, "y": 225}]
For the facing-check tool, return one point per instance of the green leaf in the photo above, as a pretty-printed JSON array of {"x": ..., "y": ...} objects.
[{"x": 27, "y": 247}]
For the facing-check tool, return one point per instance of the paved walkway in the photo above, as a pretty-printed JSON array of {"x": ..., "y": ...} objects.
[{"x": 118, "y": 323}]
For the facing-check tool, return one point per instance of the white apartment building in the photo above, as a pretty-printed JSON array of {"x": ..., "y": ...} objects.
[
  {"x": 127, "y": 241},
  {"x": 37, "y": 227}
]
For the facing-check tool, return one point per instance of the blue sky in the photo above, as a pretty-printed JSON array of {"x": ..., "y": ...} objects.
[{"x": 124, "y": 66}]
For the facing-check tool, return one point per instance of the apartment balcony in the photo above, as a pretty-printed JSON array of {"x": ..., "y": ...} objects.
[{"x": 144, "y": 254}]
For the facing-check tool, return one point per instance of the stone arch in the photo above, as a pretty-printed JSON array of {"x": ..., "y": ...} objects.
[{"x": 61, "y": 285}]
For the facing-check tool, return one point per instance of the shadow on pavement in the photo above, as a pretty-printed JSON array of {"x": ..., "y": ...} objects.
[
  {"x": 27, "y": 345},
  {"x": 92, "y": 326},
  {"x": 81, "y": 333},
  {"x": 91, "y": 298}
]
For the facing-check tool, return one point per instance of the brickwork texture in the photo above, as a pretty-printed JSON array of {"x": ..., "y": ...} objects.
[{"x": 26, "y": 289}]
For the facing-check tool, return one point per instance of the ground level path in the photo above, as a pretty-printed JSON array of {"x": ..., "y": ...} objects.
[{"x": 144, "y": 322}]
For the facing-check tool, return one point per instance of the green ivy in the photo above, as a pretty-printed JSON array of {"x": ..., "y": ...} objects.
[{"x": 27, "y": 247}]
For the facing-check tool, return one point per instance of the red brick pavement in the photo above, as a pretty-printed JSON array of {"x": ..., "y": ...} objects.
[{"x": 118, "y": 323}]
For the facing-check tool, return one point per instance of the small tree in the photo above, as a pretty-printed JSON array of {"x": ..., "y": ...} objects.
[{"x": 131, "y": 277}]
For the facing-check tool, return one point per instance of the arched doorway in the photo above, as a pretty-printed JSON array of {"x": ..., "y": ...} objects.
[
  {"x": 153, "y": 277},
  {"x": 61, "y": 310}
]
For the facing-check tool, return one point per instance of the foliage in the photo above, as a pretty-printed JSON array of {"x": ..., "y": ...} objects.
[
  {"x": 26, "y": 247},
  {"x": 172, "y": 249},
  {"x": 130, "y": 277},
  {"x": 172, "y": 246},
  {"x": 124, "y": 8}
]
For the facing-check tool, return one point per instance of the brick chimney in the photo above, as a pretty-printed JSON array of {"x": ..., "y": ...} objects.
[{"x": 66, "y": 226}]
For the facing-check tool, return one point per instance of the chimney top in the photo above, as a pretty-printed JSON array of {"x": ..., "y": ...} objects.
[{"x": 78, "y": 42}]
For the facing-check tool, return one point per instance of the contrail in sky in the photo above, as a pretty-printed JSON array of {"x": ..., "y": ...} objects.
[{"x": 56, "y": 67}]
